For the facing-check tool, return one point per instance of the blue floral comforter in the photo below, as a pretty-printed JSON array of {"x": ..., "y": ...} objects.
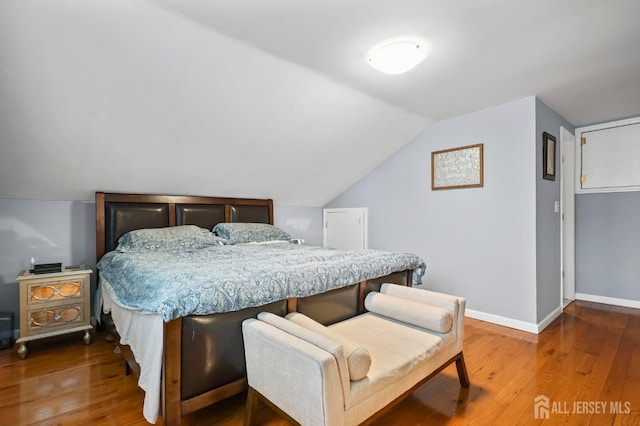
[{"x": 233, "y": 277}]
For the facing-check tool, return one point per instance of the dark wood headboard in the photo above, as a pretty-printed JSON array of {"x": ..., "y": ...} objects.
[{"x": 117, "y": 214}]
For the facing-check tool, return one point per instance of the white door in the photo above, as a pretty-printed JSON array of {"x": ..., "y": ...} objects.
[
  {"x": 345, "y": 229},
  {"x": 567, "y": 196}
]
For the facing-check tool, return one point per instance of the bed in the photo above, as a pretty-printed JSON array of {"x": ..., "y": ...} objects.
[{"x": 200, "y": 352}]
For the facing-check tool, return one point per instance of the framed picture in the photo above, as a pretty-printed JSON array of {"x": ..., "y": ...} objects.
[
  {"x": 548, "y": 156},
  {"x": 460, "y": 167}
]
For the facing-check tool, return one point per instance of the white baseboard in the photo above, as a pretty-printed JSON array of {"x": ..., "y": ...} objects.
[
  {"x": 537, "y": 328},
  {"x": 507, "y": 322},
  {"x": 549, "y": 318},
  {"x": 608, "y": 300},
  {"x": 529, "y": 327}
]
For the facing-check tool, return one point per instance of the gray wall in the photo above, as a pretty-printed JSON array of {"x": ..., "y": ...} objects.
[
  {"x": 479, "y": 243},
  {"x": 49, "y": 231},
  {"x": 65, "y": 231},
  {"x": 608, "y": 245},
  {"x": 548, "y": 231},
  {"x": 300, "y": 222}
]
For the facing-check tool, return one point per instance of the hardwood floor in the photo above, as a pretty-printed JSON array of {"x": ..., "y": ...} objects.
[{"x": 587, "y": 362}]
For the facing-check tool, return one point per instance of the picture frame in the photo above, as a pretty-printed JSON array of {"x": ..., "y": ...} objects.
[
  {"x": 548, "y": 156},
  {"x": 460, "y": 167}
]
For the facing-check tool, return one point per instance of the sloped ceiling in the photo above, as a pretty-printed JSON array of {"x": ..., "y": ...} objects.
[
  {"x": 275, "y": 98},
  {"x": 572, "y": 54}
]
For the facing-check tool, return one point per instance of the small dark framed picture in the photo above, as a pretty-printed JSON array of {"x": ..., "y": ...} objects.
[{"x": 548, "y": 156}]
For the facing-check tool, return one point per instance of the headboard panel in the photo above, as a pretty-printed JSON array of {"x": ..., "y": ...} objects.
[
  {"x": 250, "y": 214},
  {"x": 203, "y": 215},
  {"x": 121, "y": 218},
  {"x": 117, "y": 214}
]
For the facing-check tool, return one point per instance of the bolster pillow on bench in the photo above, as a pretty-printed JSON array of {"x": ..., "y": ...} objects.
[
  {"x": 300, "y": 332},
  {"x": 358, "y": 358},
  {"x": 303, "y": 333},
  {"x": 415, "y": 313}
]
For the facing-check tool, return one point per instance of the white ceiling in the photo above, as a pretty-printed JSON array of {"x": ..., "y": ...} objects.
[
  {"x": 581, "y": 57},
  {"x": 274, "y": 98}
]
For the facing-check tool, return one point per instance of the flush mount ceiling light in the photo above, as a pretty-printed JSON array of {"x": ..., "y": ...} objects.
[{"x": 397, "y": 56}]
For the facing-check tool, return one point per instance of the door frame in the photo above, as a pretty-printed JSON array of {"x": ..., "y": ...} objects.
[{"x": 567, "y": 218}]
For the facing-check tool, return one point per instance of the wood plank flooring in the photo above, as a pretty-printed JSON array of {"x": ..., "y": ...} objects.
[{"x": 587, "y": 362}]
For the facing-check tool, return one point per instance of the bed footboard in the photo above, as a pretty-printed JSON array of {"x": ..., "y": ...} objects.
[
  {"x": 204, "y": 355},
  {"x": 223, "y": 360}
]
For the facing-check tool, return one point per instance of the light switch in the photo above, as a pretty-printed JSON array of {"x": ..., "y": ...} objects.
[{"x": 556, "y": 206}]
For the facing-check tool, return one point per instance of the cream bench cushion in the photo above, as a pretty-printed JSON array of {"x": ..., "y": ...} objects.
[{"x": 400, "y": 355}]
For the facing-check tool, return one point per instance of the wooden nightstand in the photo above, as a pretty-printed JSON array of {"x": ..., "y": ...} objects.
[{"x": 53, "y": 304}]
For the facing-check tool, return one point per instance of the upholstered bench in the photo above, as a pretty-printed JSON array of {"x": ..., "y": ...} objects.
[{"x": 347, "y": 372}]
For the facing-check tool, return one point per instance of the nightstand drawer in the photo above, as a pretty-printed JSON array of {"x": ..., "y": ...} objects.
[
  {"x": 53, "y": 317},
  {"x": 54, "y": 291}
]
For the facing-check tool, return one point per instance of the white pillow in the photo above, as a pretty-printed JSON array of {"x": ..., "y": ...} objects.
[{"x": 416, "y": 313}]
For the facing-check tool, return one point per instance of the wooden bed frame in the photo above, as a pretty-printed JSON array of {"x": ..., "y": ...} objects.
[{"x": 184, "y": 359}]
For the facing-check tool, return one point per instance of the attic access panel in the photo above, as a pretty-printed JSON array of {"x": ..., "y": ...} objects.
[{"x": 610, "y": 157}]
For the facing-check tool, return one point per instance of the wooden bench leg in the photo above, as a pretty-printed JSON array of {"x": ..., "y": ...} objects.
[
  {"x": 462, "y": 371},
  {"x": 251, "y": 408}
]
